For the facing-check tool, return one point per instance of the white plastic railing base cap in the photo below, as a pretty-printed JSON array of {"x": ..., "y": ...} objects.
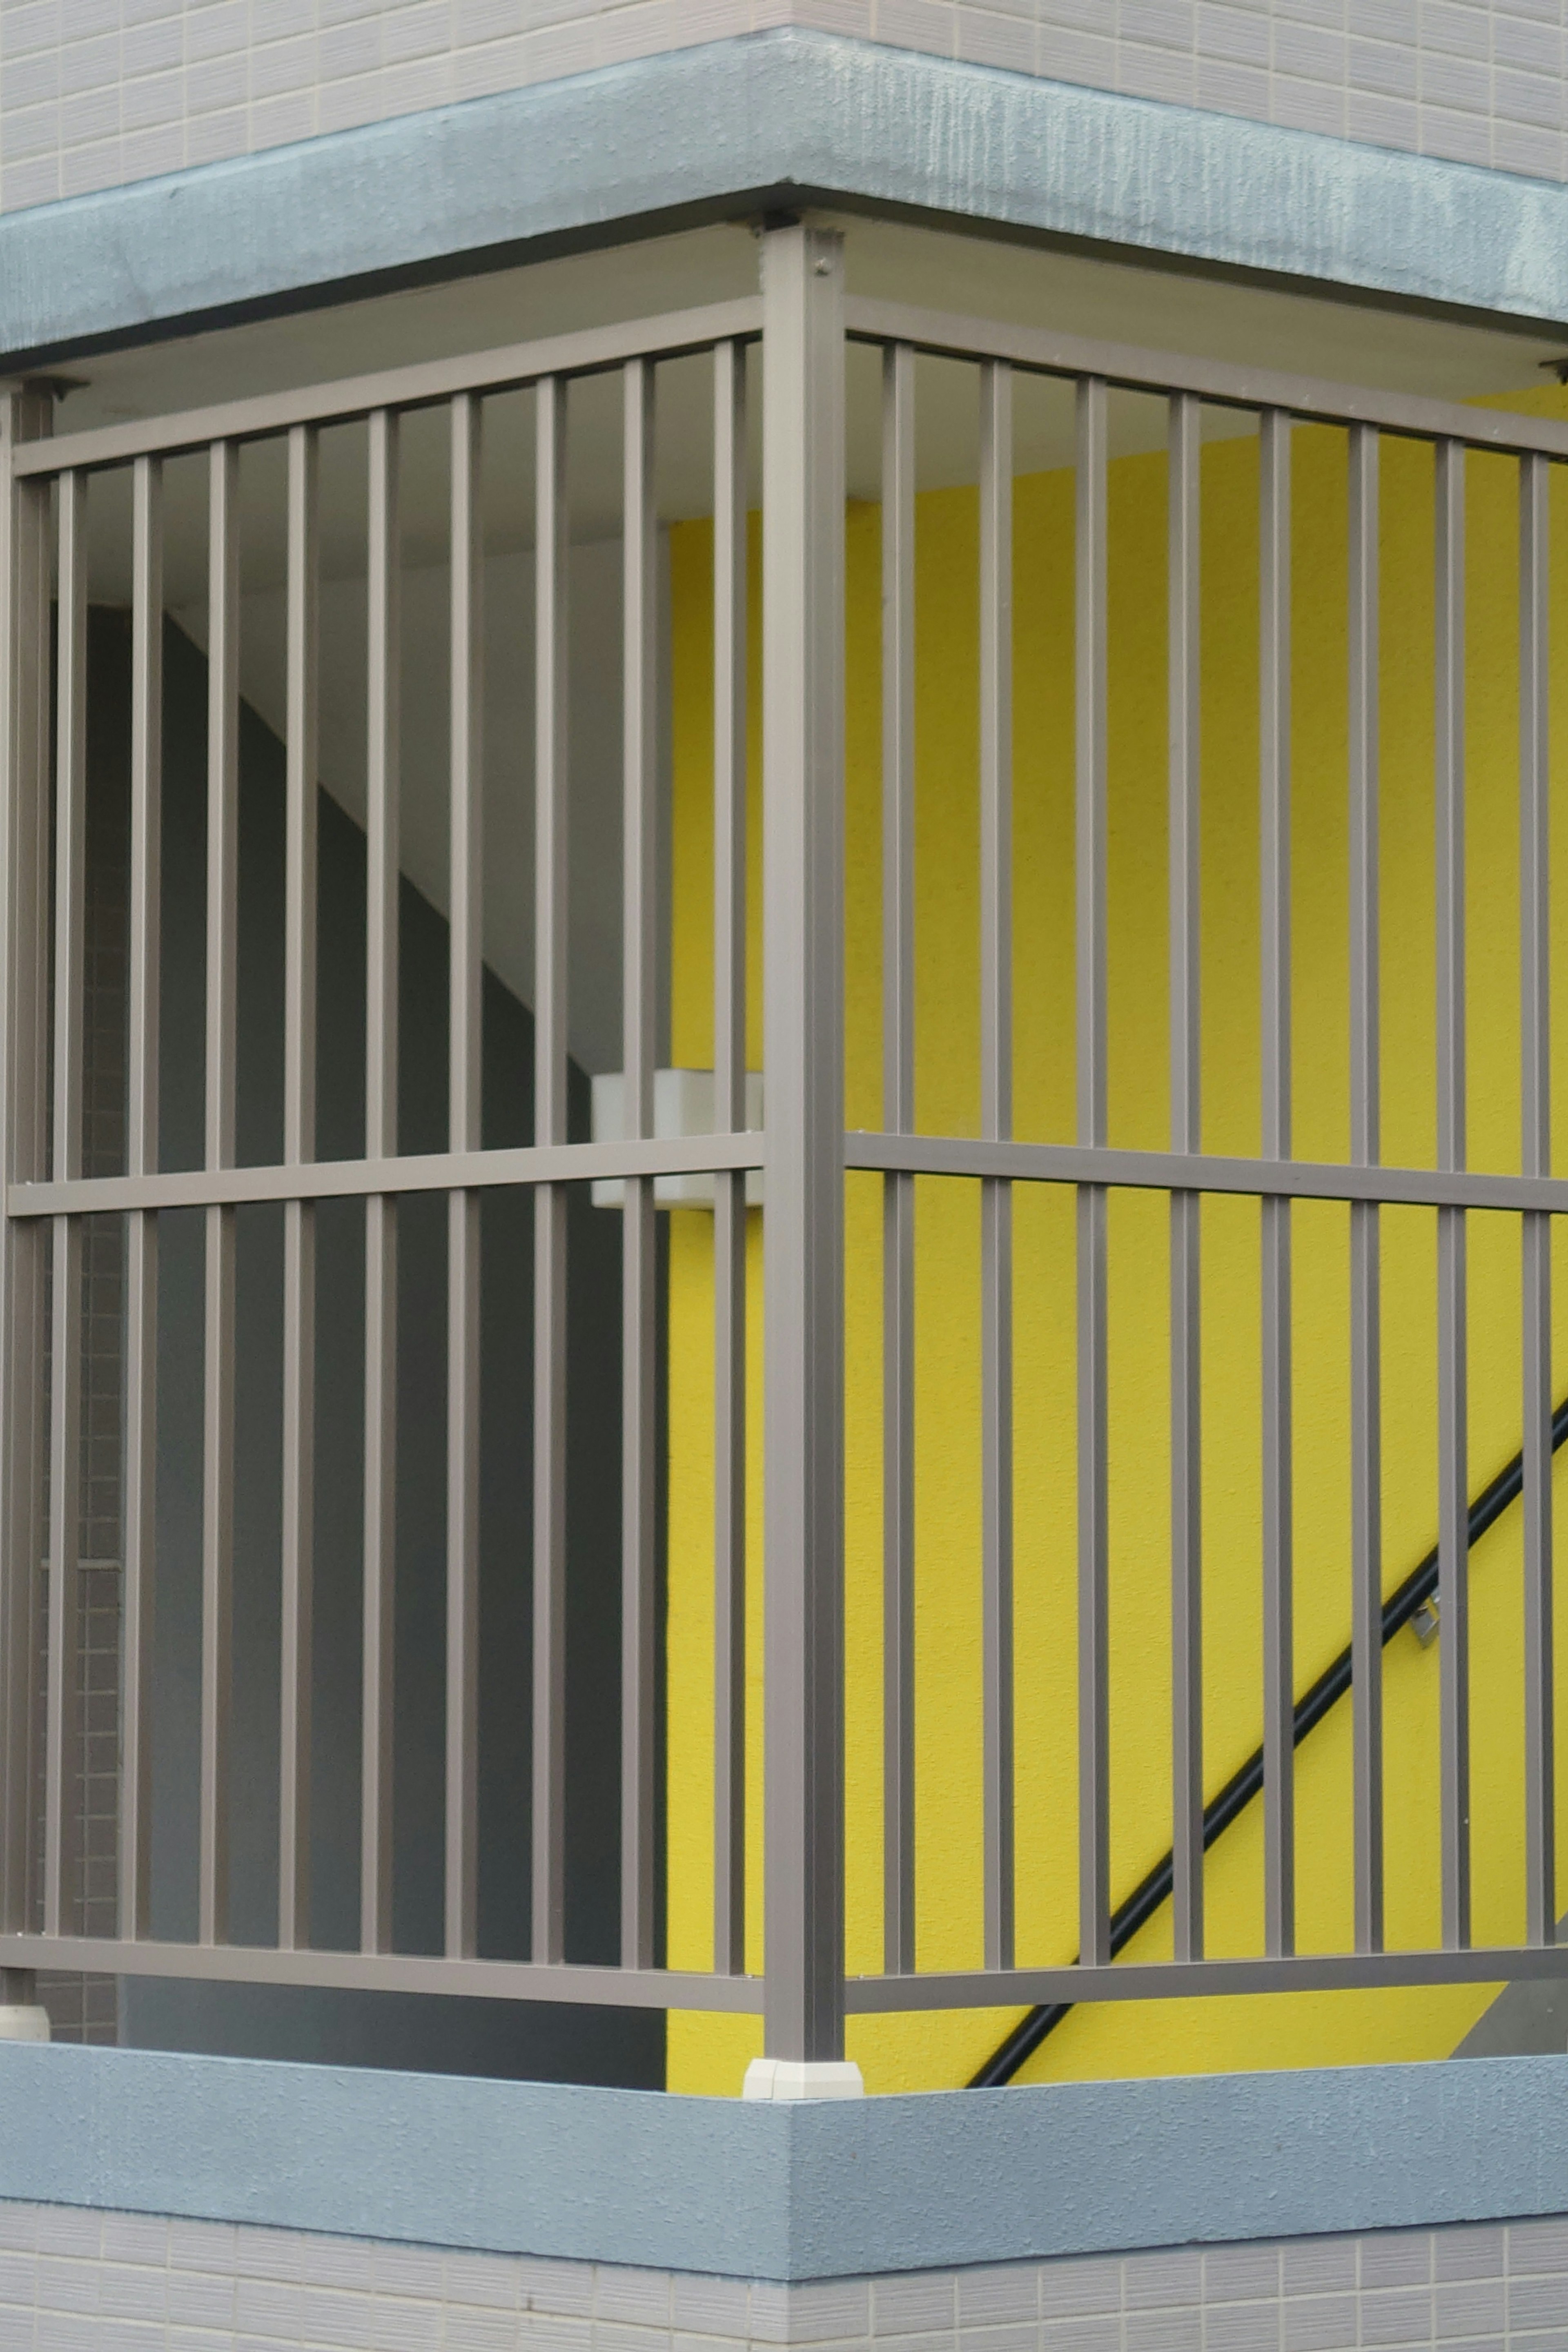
[
  {"x": 796, "y": 2078},
  {"x": 29, "y": 2024}
]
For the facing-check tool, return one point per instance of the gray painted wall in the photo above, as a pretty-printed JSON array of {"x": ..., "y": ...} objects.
[{"x": 481, "y": 2037}]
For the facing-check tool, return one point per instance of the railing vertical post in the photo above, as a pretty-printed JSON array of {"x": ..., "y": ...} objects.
[
  {"x": 145, "y": 988},
  {"x": 1184, "y": 526},
  {"x": 1535, "y": 1160},
  {"x": 24, "y": 415},
  {"x": 898, "y": 1190},
  {"x": 1090, "y": 648},
  {"x": 1366, "y": 1145},
  {"x": 218, "y": 1343},
  {"x": 383, "y": 712},
  {"x": 1453, "y": 1311},
  {"x": 730, "y": 682},
  {"x": 996, "y": 1121},
  {"x": 464, "y": 1014},
  {"x": 549, "y": 983},
  {"x": 299, "y": 1216},
  {"x": 1278, "y": 1471},
  {"x": 803, "y": 768},
  {"x": 62, "y": 1665}
]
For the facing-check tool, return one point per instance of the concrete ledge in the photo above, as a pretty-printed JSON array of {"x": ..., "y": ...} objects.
[
  {"x": 782, "y": 2192},
  {"x": 707, "y": 132}
]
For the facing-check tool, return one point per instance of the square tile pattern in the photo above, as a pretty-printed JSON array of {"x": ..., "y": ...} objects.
[
  {"x": 96, "y": 93},
  {"x": 135, "y": 2282}
]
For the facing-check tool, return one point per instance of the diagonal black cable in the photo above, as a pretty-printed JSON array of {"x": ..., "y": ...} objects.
[{"x": 1242, "y": 1787}]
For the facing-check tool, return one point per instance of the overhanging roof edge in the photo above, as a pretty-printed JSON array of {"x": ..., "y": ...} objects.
[{"x": 714, "y": 130}]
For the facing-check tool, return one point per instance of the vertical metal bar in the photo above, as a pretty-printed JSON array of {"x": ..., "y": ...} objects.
[
  {"x": 142, "y": 1159},
  {"x": 1089, "y": 664},
  {"x": 62, "y": 1765},
  {"x": 298, "y": 1216},
  {"x": 803, "y": 947},
  {"x": 730, "y": 1191},
  {"x": 382, "y": 868},
  {"x": 1535, "y": 1160},
  {"x": 639, "y": 980},
  {"x": 996, "y": 1121},
  {"x": 217, "y": 1554},
  {"x": 1366, "y": 1383},
  {"x": 466, "y": 1068},
  {"x": 1273, "y": 837},
  {"x": 218, "y": 1435},
  {"x": 62, "y": 1783},
  {"x": 898, "y": 1189},
  {"x": 70, "y": 823},
  {"x": 378, "y": 1668},
  {"x": 25, "y": 567},
  {"x": 1184, "y": 526},
  {"x": 1453, "y": 1450},
  {"x": 550, "y": 1200}
]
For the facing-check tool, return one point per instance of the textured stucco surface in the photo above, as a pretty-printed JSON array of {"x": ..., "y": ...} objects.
[
  {"x": 96, "y": 92},
  {"x": 644, "y": 2179},
  {"x": 716, "y": 130}
]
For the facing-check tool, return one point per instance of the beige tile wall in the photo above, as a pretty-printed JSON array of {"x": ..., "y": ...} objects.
[
  {"x": 97, "y": 92},
  {"x": 135, "y": 2283}
]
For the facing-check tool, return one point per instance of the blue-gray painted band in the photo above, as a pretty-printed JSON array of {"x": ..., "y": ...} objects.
[
  {"x": 703, "y": 130},
  {"x": 803, "y": 2192}
]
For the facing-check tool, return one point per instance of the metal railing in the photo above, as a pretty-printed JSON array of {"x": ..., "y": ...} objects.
[
  {"x": 49, "y": 1197},
  {"x": 1412, "y": 1603},
  {"x": 806, "y": 325},
  {"x": 999, "y": 358}
]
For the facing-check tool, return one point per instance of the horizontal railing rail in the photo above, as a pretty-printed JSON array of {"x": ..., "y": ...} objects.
[
  {"x": 268, "y": 1964},
  {"x": 1223, "y": 383},
  {"x": 431, "y": 1172},
  {"x": 1199, "y": 1172},
  {"x": 1214, "y": 1974},
  {"x": 589, "y": 351},
  {"x": 943, "y": 1156}
]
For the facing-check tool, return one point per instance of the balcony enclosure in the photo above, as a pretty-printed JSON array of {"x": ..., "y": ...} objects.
[{"x": 487, "y": 1515}]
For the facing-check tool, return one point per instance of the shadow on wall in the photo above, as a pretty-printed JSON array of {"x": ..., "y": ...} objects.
[
  {"x": 430, "y": 2033},
  {"x": 1528, "y": 2020}
]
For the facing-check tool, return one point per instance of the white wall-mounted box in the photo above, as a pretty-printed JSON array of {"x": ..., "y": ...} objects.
[{"x": 682, "y": 1105}]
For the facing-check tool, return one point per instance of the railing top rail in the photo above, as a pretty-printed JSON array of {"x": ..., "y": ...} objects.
[
  {"x": 432, "y": 1171},
  {"x": 1077, "y": 1980},
  {"x": 1222, "y": 382},
  {"x": 422, "y": 383},
  {"x": 1013, "y": 1162},
  {"x": 669, "y": 334},
  {"x": 589, "y": 1984}
]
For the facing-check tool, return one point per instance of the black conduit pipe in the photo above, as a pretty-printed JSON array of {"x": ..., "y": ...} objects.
[{"x": 1242, "y": 1787}]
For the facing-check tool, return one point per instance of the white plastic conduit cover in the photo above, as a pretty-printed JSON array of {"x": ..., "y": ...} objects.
[
  {"x": 682, "y": 1105},
  {"x": 24, "y": 2024},
  {"x": 809, "y": 2078}
]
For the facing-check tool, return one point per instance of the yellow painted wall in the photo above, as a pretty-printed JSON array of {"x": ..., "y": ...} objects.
[{"x": 707, "y": 2053}]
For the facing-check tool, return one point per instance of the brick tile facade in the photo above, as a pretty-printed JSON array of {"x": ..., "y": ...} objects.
[
  {"x": 97, "y": 92},
  {"x": 69, "y": 2277}
]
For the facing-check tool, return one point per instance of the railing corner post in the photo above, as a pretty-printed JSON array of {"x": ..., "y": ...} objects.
[{"x": 803, "y": 826}]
